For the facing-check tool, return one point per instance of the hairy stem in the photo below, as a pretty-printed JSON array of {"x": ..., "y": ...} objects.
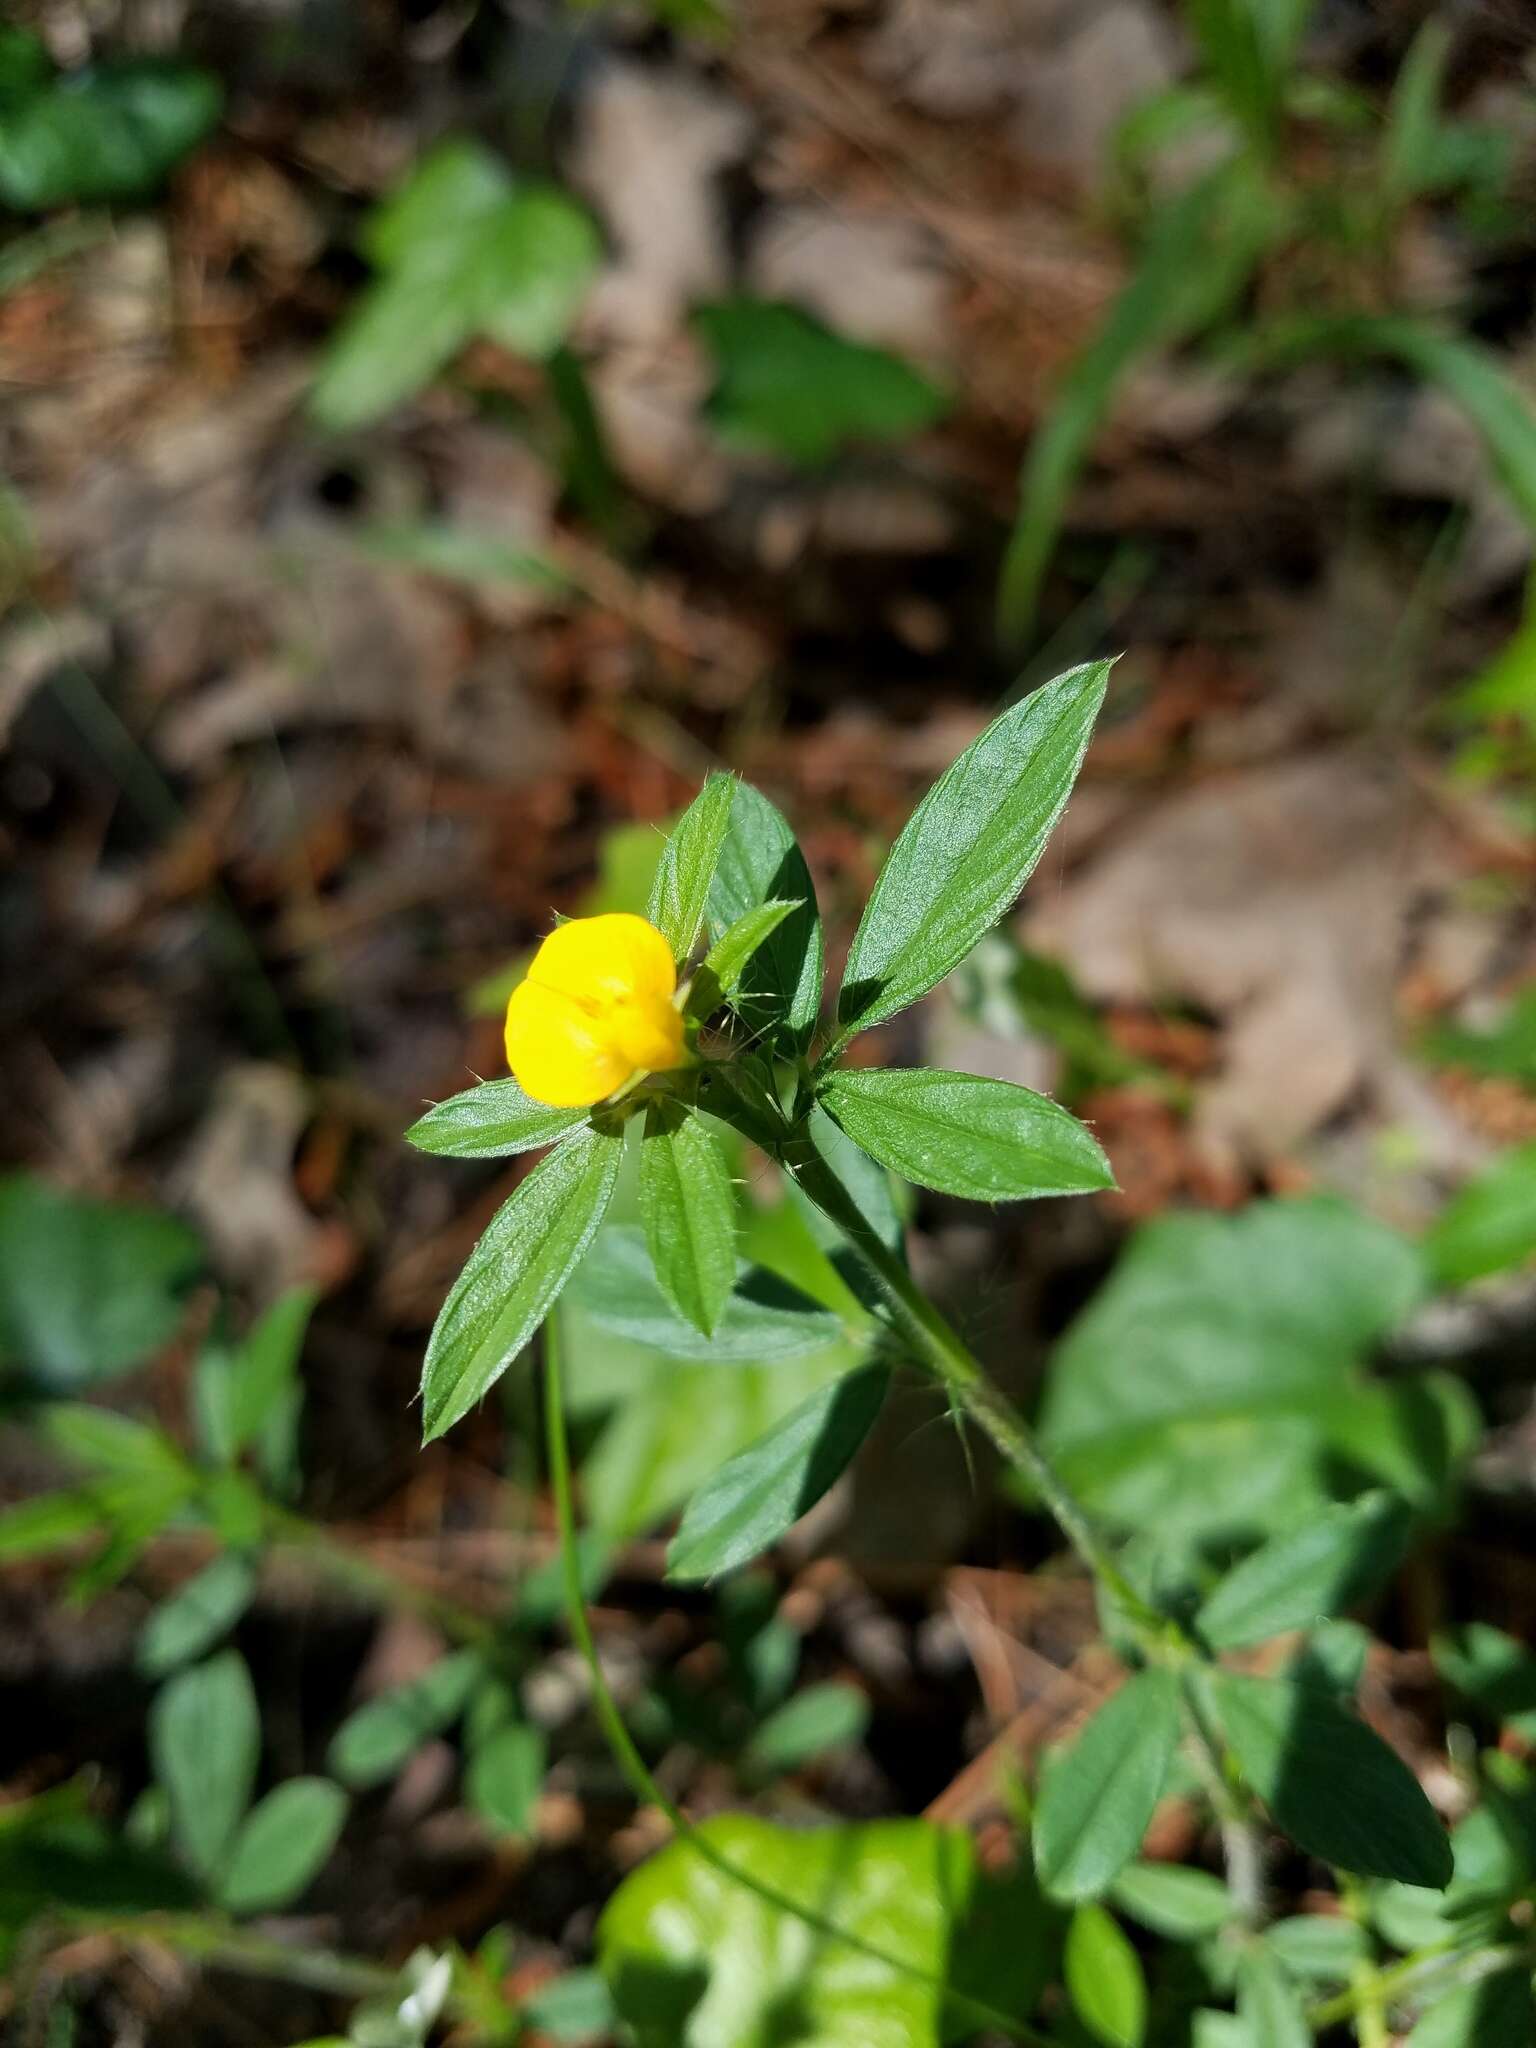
[{"x": 638, "y": 1773}]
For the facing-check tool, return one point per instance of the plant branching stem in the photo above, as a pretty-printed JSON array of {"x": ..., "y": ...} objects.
[
  {"x": 638, "y": 1773},
  {"x": 373, "y": 1582},
  {"x": 1440, "y": 1967}
]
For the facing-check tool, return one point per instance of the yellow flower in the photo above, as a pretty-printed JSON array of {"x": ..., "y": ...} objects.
[{"x": 595, "y": 1010}]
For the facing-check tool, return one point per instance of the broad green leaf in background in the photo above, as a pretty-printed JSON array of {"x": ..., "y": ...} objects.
[
  {"x": 86, "y": 1288},
  {"x": 462, "y": 250},
  {"x": 575, "y": 2007},
  {"x": 1267, "y": 2004},
  {"x": 117, "y": 1446},
  {"x": 282, "y": 1845},
  {"x": 789, "y": 386},
  {"x": 764, "y": 1317},
  {"x": 730, "y": 957},
  {"x": 760, "y": 862},
  {"x": 514, "y": 1275},
  {"x": 1509, "y": 1046},
  {"x": 1495, "y": 2012},
  {"x": 968, "y": 848},
  {"x": 988, "y": 1141},
  {"x": 107, "y": 132},
  {"x": 822, "y": 1717},
  {"x": 1319, "y": 1948},
  {"x": 1097, "y": 1796},
  {"x": 197, "y": 1615},
  {"x": 1494, "y": 1672},
  {"x": 1104, "y": 1979},
  {"x": 1172, "y": 1899},
  {"x": 753, "y": 1499},
  {"x": 249, "y": 1396},
  {"x": 1331, "y": 1783},
  {"x": 686, "y": 871},
  {"x": 1307, "y": 1574},
  {"x": 506, "y": 1774},
  {"x": 1490, "y": 1224},
  {"x": 695, "y": 1960},
  {"x": 375, "y": 1740},
  {"x": 1207, "y": 1385},
  {"x": 688, "y": 1211},
  {"x": 489, "y": 1122},
  {"x": 205, "y": 1742},
  {"x": 49, "y": 1521}
]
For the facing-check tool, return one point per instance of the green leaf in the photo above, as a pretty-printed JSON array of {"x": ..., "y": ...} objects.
[
  {"x": 1494, "y": 1672},
  {"x": 790, "y": 386},
  {"x": 86, "y": 1288},
  {"x": 505, "y": 1776},
  {"x": 283, "y": 1844},
  {"x": 574, "y": 2007},
  {"x": 688, "y": 1208},
  {"x": 490, "y": 1122},
  {"x": 1331, "y": 1784},
  {"x": 463, "y": 250},
  {"x": 1210, "y": 1386},
  {"x": 686, "y": 873},
  {"x": 116, "y": 1445},
  {"x": 753, "y": 1499},
  {"x": 1104, "y": 1979},
  {"x": 1509, "y": 1046},
  {"x": 1202, "y": 250},
  {"x": 1176, "y": 1902},
  {"x": 968, "y": 848},
  {"x": 1267, "y": 2005},
  {"x": 1097, "y": 1797},
  {"x": 1495, "y": 2012},
  {"x": 1319, "y": 1948},
  {"x": 193, "y": 1619},
  {"x": 989, "y": 1141},
  {"x": 730, "y": 956},
  {"x": 111, "y": 131},
  {"x": 763, "y": 1318},
  {"x": 374, "y": 1741},
  {"x": 822, "y": 1717},
  {"x": 1308, "y": 1574},
  {"x": 692, "y": 1955},
  {"x": 761, "y": 863},
  {"x": 1490, "y": 1224},
  {"x": 514, "y": 1275},
  {"x": 50, "y": 1521},
  {"x": 205, "y": 1741}
]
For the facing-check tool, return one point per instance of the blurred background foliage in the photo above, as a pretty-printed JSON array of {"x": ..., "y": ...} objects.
[{"x": 435, "y": 435}]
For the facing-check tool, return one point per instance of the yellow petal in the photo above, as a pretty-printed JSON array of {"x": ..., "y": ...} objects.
[
  {"x": 606, "y": 959},
  {"x": 649, "y": 1032},
  {"x": 560, "y": 1051}
]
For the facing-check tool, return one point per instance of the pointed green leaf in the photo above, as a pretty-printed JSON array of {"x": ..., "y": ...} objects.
[
  {"x": 988, "y": 1141},
  {"x": 764, "y": 1317},
  {"x": 490, "y": 1122},
  {"x": 1104, "y": 1979},
  {"x": 1179, "y": 1903},
  {"x": 760, "y": 863},
  {"x": 283, "y": 1844},
  {"x": 505, "y": 1776},
  {"x": 969, "y": 848},
  {"x": 680, "y": 893},
  {"x": 822, "y": 1717},
  {"x": 50, "y": 1521},
  {"x": 374, "y": 1741},
  {"x": 514, "y": 1275},
  {"x": 757, "y": 1496},
  {"x": 1331, "y": 1783},
  {"x": 688, "y": 1209},
  {"x": 1309, "y": 1574},
  {"x": 194, "y": 1618},
  {"x": 729, "y": 958},
  {"x": 1267, "y": 2005},
  {"x": 205, "y": 1741},
  {"x": 1491, "y": 1222},
  {"x": 1097, "y": 1797}
]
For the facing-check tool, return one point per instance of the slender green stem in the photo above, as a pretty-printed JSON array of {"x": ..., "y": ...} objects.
[
  {"x": 940, "y": 1349},
  {"x": 638, "y": 1773},
  {"x": 1242, "y": 1841},
  {"x": 1437, "y": 1968},
  {"x": 223, "y": 1945},
  {"x": 373, "y": 1582}
]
